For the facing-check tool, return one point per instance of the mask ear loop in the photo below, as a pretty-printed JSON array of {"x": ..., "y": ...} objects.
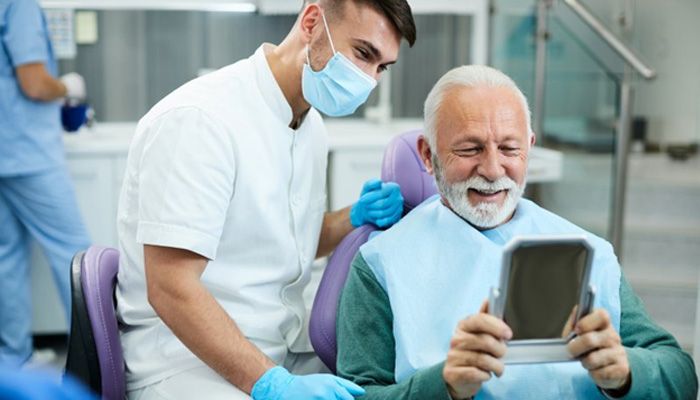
[{"x": 328, "y": 33}]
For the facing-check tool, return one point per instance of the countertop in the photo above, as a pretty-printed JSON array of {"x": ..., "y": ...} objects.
[{"x": 113, "y": 139}]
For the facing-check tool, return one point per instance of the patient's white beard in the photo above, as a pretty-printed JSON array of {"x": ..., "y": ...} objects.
[{"x": 483, "y": 215}]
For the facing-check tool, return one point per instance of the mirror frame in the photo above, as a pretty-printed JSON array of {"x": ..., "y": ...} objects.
[{"x": 525, "y": 351}]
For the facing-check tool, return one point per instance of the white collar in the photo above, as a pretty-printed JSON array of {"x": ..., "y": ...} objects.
[{"x": 270, "y": 89}]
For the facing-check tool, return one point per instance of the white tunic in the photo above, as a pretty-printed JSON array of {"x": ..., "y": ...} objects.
[{"x": 215, "y": 169}]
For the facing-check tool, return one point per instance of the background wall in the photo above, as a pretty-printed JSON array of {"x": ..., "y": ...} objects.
[
  {"x": 143, "y": 55},
  {"x": 663, "y": 32},
  {"x": 667, "y": 33}
]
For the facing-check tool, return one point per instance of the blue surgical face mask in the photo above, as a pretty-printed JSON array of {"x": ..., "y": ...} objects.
[{"x": 339, "y": 88}]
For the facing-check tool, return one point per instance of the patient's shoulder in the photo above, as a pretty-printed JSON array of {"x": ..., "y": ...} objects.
[
  {"x": 404, "y": 236},
  {"x": 408, "y": 226},
  {"x": 548, "y": 222}
]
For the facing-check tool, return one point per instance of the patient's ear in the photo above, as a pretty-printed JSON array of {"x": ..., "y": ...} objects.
[{"x": 425, "y": 153}]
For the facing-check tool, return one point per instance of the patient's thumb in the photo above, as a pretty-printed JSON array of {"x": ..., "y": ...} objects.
[{"x": 484, "y": 307}]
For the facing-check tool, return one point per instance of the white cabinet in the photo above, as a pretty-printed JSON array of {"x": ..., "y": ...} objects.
[
  {"x": 348, "y": 171},
  {"x": 92, "y": 178}
]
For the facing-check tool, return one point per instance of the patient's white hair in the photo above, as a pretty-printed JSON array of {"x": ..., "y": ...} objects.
[{"x": 468, "y": 76}]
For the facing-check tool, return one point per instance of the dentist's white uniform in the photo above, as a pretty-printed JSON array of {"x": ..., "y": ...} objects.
[{"x": 215, "y": 169}]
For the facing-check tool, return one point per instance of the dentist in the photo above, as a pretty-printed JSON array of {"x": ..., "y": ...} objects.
[{"x": 222, "y": 211}]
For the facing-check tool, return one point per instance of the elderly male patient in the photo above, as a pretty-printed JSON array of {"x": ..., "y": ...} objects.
[{"x": 413, "y": 321}]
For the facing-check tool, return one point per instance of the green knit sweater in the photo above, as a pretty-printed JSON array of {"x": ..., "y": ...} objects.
[{"x": 660, "y": 369}]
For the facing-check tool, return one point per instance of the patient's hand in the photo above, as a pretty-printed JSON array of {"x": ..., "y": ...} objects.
[
  {"x": 569, "y": 325},
  {"x": 600, "y": 350},
  {"x": 475, "y": 351}
]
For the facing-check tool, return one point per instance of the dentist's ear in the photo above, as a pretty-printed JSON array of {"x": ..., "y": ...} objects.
[
  {"x": 425, "y": 153},
  {"x": 309, "y": 18},
  {"x": 533, "y": 138}
]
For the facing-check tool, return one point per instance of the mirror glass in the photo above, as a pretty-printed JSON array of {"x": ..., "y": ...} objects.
[{"x": 544, "y": 289}]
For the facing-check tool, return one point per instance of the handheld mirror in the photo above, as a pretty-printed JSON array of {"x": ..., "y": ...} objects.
[{"x": 544, "y": 290}]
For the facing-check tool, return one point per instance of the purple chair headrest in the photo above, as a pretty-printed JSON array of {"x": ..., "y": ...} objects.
[
  {"x": 402, "y": 164},
  {"x": 98, "y": 279}
]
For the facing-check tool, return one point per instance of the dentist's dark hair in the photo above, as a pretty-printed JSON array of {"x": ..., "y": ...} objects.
[{"x": 398, "y": 12}]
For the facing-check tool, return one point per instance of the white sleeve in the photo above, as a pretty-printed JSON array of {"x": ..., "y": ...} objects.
[{"x": 186, "y": 178}]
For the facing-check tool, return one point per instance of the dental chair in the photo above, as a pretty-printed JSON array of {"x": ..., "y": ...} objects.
[
  {"x": 401, "y": 164},
  {"x": 94, "y": 351}
]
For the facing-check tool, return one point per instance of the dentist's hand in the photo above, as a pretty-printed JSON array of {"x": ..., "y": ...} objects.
[
  {"x": 380, "y": 204},
  {"x": 278, "y": 384}
]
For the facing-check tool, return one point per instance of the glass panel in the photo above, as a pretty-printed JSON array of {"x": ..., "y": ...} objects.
[
  {"x": 662, "y": 233},
  {"x": 580, "y": 112},
  {"x": 580, "y": 115},
  {"x": 513, "y": 42}
]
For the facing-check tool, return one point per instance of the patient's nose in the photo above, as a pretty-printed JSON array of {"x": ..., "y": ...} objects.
[{"x": 490, "y": 166}]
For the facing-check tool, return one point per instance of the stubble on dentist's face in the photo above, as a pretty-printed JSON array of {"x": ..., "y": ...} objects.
[
  {"x": 362, "y": 34},
  {"x": 482, "y": 148}
]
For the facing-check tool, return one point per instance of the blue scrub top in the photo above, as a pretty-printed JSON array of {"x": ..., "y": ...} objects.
[{"x": 30, "y": 131}]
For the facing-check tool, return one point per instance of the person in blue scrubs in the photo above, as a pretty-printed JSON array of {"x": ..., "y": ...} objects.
[
  {"x": 37, "y": 199},
  {"x": 40, "y": 385}
]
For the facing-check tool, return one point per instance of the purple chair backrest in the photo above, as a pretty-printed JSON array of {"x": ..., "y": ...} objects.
[
  {"x": 99, "y": 278},
  {"x": 402, "y": 164},
  {"x": 95, "y": 352}
]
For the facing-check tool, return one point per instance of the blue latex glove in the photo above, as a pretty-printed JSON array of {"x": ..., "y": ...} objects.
[
  {"x": 380, "y": 203},
  {"x": 278, "y": 384}
]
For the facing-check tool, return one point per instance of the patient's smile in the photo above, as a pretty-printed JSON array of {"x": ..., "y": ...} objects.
[{"x": 487, "y": 196}]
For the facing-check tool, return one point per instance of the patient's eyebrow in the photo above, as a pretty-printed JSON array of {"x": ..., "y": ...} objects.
[
  {"x": 511, "y": 138},
  {"x": 467, "y": 141}
]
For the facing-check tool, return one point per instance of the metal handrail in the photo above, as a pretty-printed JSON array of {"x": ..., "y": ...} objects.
[
  {"x": 611, "y": 39},
  {"x": 624, "y": 123}
]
